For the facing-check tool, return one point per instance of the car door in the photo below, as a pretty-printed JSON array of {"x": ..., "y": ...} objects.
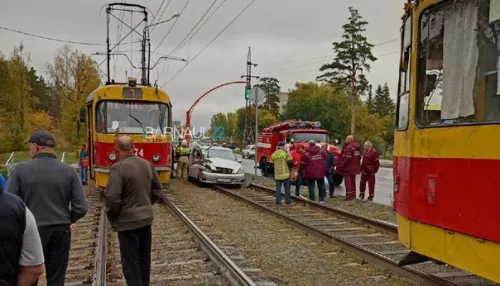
[{"x": 195, "y": 161}]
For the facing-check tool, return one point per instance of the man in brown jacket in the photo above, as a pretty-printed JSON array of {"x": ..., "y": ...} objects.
[{"x": 133, "y": 187}]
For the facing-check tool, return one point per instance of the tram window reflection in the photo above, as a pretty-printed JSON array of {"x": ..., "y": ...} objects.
[
  {"x": 458, "y": 64},
  {"x": 132, "y": 116}
]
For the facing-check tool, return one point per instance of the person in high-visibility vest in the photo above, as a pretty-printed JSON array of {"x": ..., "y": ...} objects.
[
  {"x": 83, "y": 163},
  {"x": 182, "y": 160}
]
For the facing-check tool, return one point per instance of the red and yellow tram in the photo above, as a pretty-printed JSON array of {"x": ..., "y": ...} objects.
[
  {"x": 446, "y": 153},
  {"x": 142, "y": 112}
]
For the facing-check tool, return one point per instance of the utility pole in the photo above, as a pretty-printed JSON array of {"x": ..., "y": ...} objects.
[{"x": 248, "y": 134}]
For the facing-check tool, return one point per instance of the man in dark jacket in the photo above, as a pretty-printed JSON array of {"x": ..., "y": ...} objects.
[
  {"x": 348, "y": 166},
  {"x": 54, "y": 193},
  {"x": 313, "y": 166},
  {"x": 329, "y": 168},
  {"x": 21, "y": 254},
  {"x": 369, "y": 167},
  {"x": 133, "y": 188}
]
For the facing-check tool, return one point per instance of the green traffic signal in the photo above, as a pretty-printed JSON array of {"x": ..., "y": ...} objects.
[{"x": 248, "y": 91}]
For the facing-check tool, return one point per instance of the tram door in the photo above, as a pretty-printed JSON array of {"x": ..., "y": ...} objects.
[{"x": 90, "y": 140}]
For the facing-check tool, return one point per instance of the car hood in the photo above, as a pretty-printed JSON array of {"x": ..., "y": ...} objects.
[{"x": 224, "y": 163}]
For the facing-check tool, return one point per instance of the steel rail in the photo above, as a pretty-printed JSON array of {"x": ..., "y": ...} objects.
[
  {"x": 415, "y": 275},
  {"x": 101, "y": 250},
  {"x": 229, "y": 269},
  {"x": 375, "y": 223}
]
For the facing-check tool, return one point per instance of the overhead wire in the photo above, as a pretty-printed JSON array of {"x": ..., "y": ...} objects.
[
  {"x": 172, "y": 27},
  {"x": 161, "y": 16},
  {"x": 327, "y": 56},
  {"x": 213, "y": 40},
  {"x": 55, "y": 39},
  {"x": 201, "y": 26},
  {"x": 316, "y": 69},
  {"x": 199, "y": 21},
  {"x": 157, "y": 11}
]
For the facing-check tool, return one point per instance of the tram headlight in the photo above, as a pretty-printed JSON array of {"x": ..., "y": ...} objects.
[
  {"x": 112, "y": 157},
  {"x": 156, "y": 157}
]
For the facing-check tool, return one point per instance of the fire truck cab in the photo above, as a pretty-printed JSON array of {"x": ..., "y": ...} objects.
[{"x": 301, "y": 132}]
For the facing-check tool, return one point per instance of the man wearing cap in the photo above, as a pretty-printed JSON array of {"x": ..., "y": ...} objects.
[
  {"x": 53, "y": 192},
  {"x": 182, "y": 160}
]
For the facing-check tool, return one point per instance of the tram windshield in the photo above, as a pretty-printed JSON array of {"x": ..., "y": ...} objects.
[
  {"x": 132, "y": 117},
  {"x": 458, "y": 63}
]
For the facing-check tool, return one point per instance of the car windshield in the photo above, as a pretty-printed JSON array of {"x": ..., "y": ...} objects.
[
  {"x": 305, "y": 137},
  {"x": 223, "y": 154},
  {"x": 132, "y": 117}
]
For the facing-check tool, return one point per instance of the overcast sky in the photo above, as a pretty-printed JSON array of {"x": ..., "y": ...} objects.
[{"x": 290, "y": 40}]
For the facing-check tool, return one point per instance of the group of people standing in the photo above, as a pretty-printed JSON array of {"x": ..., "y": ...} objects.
[
  {"x": 44, "y": 197},
  {"x": 296, "y": 163}
]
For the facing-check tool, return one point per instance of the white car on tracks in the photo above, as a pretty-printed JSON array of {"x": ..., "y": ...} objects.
[{"x": 215, "y": 165}]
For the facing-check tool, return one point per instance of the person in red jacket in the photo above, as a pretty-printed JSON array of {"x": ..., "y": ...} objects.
[
  {"x": 298, "y": 177},
  {"x": 369, "y": 167},
  {"x": 313, "y": 165},
  {"x": 348, "y": 166}
]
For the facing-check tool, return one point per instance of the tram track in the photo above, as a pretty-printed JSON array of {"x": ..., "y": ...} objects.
[
  {"x": 372, "y": 240},
  {"x": 181, "y": 253},
  {"x": 84, "y": 241},
  {"x": 246, "y": 264}
]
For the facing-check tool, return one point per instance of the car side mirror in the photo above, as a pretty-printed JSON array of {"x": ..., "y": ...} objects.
[{"x": 239, "y": 160}]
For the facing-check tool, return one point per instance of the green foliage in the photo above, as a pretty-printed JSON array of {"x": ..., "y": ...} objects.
[
  {"x": 235, "y": 122},
  {"x": 313, "y": 102},
  {"x": 74, "y": 76},
  {"x": 352, "y": 58},
  {"x": 271, "y": 87},
  {"x": 383, "y": 104},
  {"x": 227, "y": 121},
  {"x": 369, "y": 100},
  {"x": 29, "y": 102},
  {"x": 328, "y": 105}
]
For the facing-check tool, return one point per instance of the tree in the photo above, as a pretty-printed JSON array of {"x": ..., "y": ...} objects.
[
  {"x": 74, "y": 76},
  {"x": 313, "y": 102},
  {"x": 47, "y": 101},
  {"x": 369, "y": 101},
  {"x": 271, "y": 87},
  {"x": 382, "y": 102},
  {"x": 266, "y": 118},
  {"x": 352, "y": 58}
]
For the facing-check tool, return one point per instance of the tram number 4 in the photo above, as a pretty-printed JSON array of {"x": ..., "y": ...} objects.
[{"x": 139, "y": 152}]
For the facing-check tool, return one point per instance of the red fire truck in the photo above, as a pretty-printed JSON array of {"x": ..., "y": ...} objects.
[{"x": 301, "y": 132}]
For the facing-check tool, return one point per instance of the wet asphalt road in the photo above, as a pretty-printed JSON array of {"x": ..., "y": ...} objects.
[{"x": 383, "y": 185}]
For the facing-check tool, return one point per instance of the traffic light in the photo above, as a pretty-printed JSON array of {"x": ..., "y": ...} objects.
[{"x": 248, "y": 91}]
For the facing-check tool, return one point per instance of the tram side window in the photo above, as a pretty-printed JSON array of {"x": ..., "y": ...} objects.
[
  {"x": 101, "y": 117},
  {"x": 403, "y": 101},
  {"x": 458, "y": 64}
]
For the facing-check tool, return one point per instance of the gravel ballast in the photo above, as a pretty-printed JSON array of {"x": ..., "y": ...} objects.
[
  {"x": 359, "y": 207},
  {"x": 278, "y": 249}
]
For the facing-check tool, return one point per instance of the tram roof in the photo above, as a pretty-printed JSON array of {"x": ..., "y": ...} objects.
[{"x": 115, "y": 86}]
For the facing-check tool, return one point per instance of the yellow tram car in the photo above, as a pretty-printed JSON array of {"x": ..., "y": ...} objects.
[
  {"x": 142, "y": 112},
  {"x": 446, "y": 153}
]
